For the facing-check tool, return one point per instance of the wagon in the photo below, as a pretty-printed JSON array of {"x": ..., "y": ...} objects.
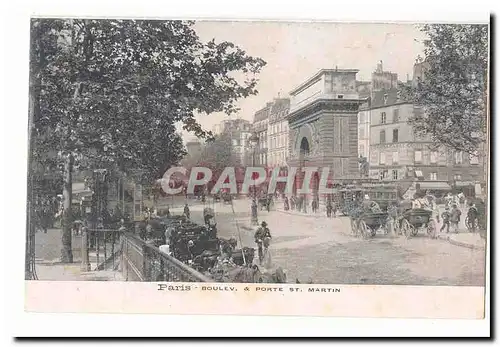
[
  {"x": 416, "y": 219},
  {"x": 367, "y": 224}
]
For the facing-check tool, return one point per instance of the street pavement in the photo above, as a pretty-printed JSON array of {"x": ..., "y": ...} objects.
[
  {"x": 313, "y": 249},
  {"x": 322, "y": 250},
  {"x": 48, "y": 267}
]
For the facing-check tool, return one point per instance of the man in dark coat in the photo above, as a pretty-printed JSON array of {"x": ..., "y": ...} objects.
[{"x": 260, "y": 235}]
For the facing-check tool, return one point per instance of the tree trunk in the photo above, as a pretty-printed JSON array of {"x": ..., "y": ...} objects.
[{"x": 66, "y": 250}]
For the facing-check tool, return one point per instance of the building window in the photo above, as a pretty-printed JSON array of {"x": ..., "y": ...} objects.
[
  {"x": 433, "y": 176},
  {"x": 474, "y": 158},
  {"x": 395, "y": 135},
  {"x": 458, "y": 157},
  {"x": 418, "y": 156},
  {"x": 457, "y": 177},
  {"x": 395, "y": 157},
  {"x": 395, "y": 115},
  {"x": 382, "y": 136},
  {"x": 394, "y": 174},
  {"x": 434, "y": 157},
  {"x": 383, "y": 118},
  {"x": 382, "y": 159}
]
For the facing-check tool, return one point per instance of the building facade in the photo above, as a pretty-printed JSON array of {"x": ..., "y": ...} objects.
[
  {"x": 396, "y": 152},
  {"x": 364, "y": 129},
  {"x": 260, "y": 127},
  {"x": 277, "y": 154},
  {"x": 239, "y": 130},
  {"x": 323, "y": 123}
]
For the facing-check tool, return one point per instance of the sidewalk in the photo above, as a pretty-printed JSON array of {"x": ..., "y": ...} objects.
[
  {"x": 49, "y": 268},
  {"x": 466, "y": 239},
  {"x": 55, "y": 271}
]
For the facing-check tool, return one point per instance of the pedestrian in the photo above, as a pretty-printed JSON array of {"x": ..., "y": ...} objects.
[
  {"x": 334, "y": 209},
  {"x": 455, "y": 218},
  {"x": 292, "y": 202},
  {"x": 260, "y": 236},
  {"x": 329, "y": 208},
  {"x": 286, "y": 204},
  {"x": 314, "y": 206},
  {"x": 186, "y": 211},
  {"x": 472, "y": 216},
  {"x": 445, "y": 216},
  {"x": 392, "y": 212}
]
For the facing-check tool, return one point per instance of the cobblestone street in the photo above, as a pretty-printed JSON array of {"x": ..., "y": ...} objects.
[{"x": 322, "y": 251}]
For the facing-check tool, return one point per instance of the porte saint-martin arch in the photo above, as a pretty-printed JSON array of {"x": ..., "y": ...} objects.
[{"x": 323, "y": 125}]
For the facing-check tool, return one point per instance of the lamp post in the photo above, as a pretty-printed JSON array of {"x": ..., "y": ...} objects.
[{"x": 254, "y": 140}]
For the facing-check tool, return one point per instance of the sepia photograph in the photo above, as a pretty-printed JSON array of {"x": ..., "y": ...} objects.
[{"x": 211, "y": 153}]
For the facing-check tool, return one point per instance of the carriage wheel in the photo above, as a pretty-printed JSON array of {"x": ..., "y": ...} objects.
[
  {"x": 363, "y": 228},
  {"x": 406, "y": 228},
  {"x": 432, "y": 229}
]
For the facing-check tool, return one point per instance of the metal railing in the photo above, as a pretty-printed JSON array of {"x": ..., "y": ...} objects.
[
  {"x": 143, "y": 262},
  {"x": 102, "y": 248}
]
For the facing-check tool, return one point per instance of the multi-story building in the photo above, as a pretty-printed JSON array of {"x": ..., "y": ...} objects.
[
  {"x": 383, "y": 80},
  {"x": 260, "y": 127},
  {"x": 396, "y": 152},
  {"x": 239, "y": 130},
  {"x": 278, "y": 133}
]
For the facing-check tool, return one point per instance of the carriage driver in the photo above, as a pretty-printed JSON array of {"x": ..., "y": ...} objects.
[{"x": 262, "y": 238}]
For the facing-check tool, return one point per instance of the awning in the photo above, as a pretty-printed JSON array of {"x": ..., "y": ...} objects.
[
  {"x": 464, "y": 183},
  {"x": 434, "y": 185}
]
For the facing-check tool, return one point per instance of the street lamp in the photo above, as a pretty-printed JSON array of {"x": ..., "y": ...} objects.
[{"x": 254, "y": 140}]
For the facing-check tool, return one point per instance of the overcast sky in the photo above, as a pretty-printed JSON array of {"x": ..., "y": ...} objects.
[{"x": 294, "y": 51}]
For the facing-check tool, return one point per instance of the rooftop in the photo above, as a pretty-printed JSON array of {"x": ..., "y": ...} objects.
[
  {"x": 318, "y": 75},
  {"x": 386, "y": 98}
]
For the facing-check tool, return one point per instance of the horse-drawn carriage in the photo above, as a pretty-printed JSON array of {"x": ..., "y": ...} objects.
[
  {"x": 412, "y": 220},
  {"x": 367, "y": 224}
]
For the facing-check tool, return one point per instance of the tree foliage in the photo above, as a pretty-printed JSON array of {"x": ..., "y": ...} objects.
[
  {"x": 108, "y": 93},
  {"x": 112, "y": 90},
  {"x": 451, "y": 99},
  {"x": 217, "y": 154}
]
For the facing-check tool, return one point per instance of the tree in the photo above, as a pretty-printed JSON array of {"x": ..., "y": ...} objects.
[
  {"x": 451, "y": 99},
  {"x": 219, "y": 153},
  {"x": 110, "y": 91}
]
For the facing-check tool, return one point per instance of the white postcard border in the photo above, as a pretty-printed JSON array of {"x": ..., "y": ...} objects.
[{"x": 29, "y": 324}]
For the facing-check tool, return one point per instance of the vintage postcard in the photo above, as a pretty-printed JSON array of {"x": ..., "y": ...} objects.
[{"x": 258, "y": 168}]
